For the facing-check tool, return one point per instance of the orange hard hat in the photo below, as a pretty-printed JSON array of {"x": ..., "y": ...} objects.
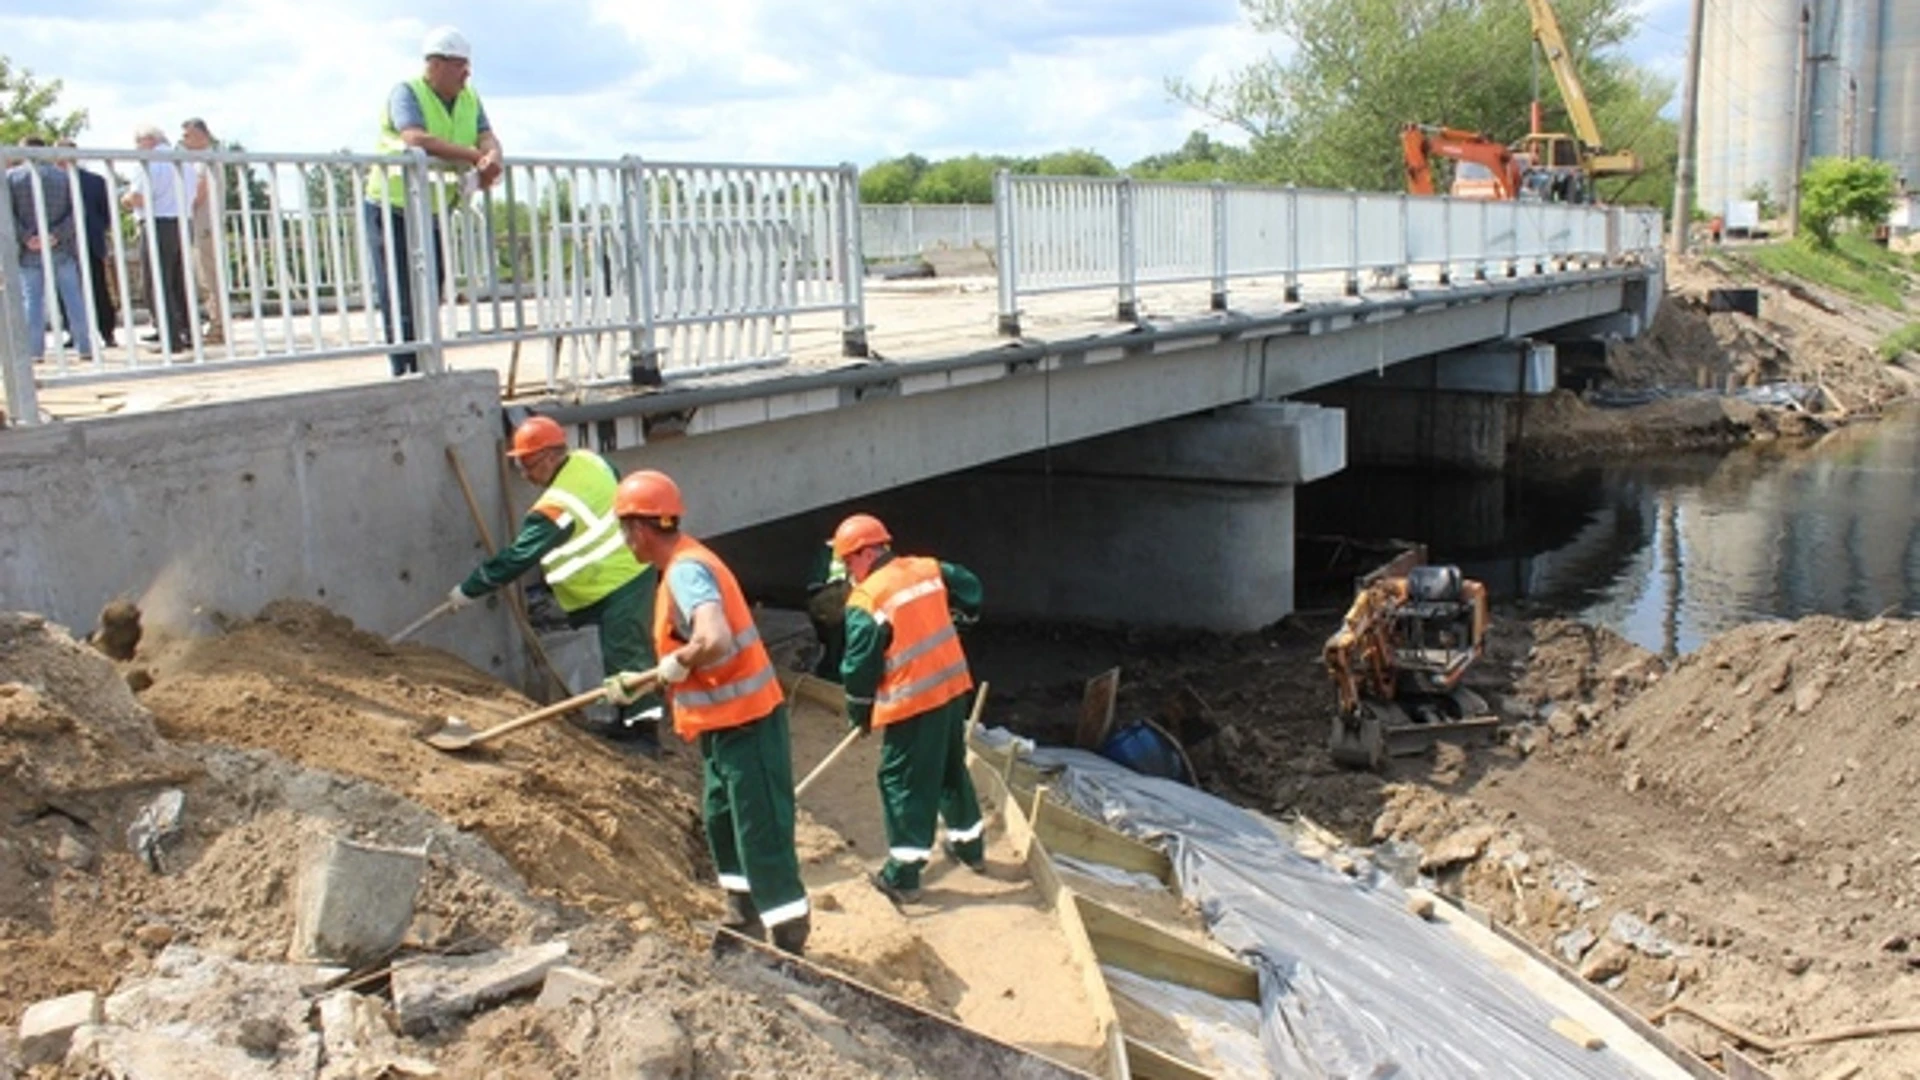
[
  {"x": 537, "y": 434},
  {"x": 859, "y": 531},
  {"x": 648, "y": 493}
]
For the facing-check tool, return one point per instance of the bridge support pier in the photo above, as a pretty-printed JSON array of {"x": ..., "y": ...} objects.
[{"x": 1449, "y": 411}]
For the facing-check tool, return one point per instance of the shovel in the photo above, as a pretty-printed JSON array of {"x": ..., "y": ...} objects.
[
  {"x": 459, "y": 735},
  {"x": 832, "y": 756},
  {"x": 406, "y": 631}
]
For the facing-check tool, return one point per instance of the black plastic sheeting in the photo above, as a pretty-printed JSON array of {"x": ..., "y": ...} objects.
[{"x": 1351, "y": 985}]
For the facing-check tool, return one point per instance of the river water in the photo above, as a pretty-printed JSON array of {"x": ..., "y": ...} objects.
[{"x": 1668, "y": 550}]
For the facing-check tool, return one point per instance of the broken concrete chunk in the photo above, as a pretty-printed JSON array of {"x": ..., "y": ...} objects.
[
  {"x": 1462, "y": 845},
  {"x": 1608, "y": 960},
  {"x": 565, "y": 985},
  {"x": 436, "y": 992},
  {"x": 648, "y": 1042},
  {"x": 359, "y": 1040},
  {"x": 1574, "y": 944},
  {"x": 354, "y": 901},
  {"x": 1631, "y": 930},
  {"x": 110, "y": 1050},
  {"x": 47, "y": 1027},
  {"x": 158, "y": 822},
  {"x": 73, "y": 853}
]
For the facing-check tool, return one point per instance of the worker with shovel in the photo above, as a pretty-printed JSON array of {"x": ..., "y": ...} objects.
[
  {"x": 905, "y": 673},
  {"x": 571, "y": 533},
  {"x": 725, "y": 695}
]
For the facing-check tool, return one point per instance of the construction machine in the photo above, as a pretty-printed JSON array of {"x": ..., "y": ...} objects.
[
  {"x": 1397, "y": 662},
  {"x": 1484, "y": 169},
  {"x": 1587, "y": 154}
]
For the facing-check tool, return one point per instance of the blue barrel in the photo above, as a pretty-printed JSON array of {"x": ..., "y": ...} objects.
[{"x": 1145, "y": 751}]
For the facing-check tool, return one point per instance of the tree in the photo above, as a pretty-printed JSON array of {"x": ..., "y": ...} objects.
[
  {"x": 1834, "y": 190},
  {"x": 1328, "y": 114},
  {"x": 28, "y": 107},
  {"x": 1200, "y": 158},
  {"x": 958, "y": 180},
  {"x": 1074, "y": 163},
  {"x": 891, "y": 181}
]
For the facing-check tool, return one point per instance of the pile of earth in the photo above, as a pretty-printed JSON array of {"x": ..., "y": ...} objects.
[
  {"x": 1822, "y": 341},
  {"x": 294, "y": 727}
]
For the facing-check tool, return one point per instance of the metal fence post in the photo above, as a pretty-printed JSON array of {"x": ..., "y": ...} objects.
[
  {"x": 853, "y": 296},
  {"x": 1005, "y": 245},
  {"x": 643, "y": 360},
  {"x": 1128, "y": 309},
  {"x": 1293, "y": 245},
  {"x": 23, "y": 400},
  {"x": 1403, "y": 274},
  {"x": 422, "y": 264},
  {"x": 1485, "y": 245},
  {"x": 1446, "y": 239},
  {"x": 1220, "y": 262},
  {"x": 1353, "y": 242}
]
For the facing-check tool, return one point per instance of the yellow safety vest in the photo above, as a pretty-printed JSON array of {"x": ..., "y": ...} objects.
[
  {"x": 595, "y": 560},
  {"x": 461, "y": 127}
]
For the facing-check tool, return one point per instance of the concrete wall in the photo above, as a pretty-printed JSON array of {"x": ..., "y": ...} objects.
[
  {"x": 343, "y": 497},
  {"x": 1421, "y": 428}
]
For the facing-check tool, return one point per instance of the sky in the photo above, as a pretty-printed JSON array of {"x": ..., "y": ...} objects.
[{"x": 765, "y": 81}]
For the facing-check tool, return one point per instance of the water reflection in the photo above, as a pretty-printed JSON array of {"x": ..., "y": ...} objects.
[{"x": 1671, "y": 551}]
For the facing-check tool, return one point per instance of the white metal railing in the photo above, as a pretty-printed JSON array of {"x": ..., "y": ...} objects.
[
  {"x": 899, "y": 232},
  {"x": 293, "y": 268},
  {"x": 1059, "y": 234}
]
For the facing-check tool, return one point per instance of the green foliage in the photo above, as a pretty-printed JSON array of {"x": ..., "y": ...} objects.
[
  {"x": 1904, "y": 340},
  {"x": 892, "y": 181},
  {"x": 1854, "y": 265},
  {"x": 336, "y": 180},
  {"x": 1835, "y": 190},
  {"x": 1328, "y": 114},
  {"x": 966, "y": 179},
  {"x": 1762, "y": 194},
  {"x": 1071, "y": 163},
  {"x": 1200, "y": 158},
  {"x": 249, "y": 193},
  {"x": 30, "y": 107}
]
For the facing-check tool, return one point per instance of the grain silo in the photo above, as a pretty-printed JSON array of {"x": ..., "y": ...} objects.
[{"x": 1862, "y": 91}]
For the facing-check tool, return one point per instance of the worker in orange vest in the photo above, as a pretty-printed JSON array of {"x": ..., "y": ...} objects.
[
  {"x": 906, "y": 674},
  {"x": 723, "y": 692}
]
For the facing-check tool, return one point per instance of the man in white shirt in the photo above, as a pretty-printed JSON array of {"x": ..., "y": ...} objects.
[{"x": 162, "y": 196}]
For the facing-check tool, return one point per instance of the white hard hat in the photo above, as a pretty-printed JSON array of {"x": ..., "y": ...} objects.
[{"x": 446, "y": 41}]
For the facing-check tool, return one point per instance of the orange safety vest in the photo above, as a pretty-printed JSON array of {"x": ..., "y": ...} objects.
[
  {"x": 736, "y": 689},
  {"x": 925, "y": 665}
]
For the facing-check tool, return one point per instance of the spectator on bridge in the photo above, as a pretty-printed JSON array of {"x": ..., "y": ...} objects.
[
  {"x": 208, "y": 202},
  {"x": 162, "y": 198},
  {"x": 724, "y": 693},
  {"x": 440, "y": 114},
  {"x": 47, "y": 238},
  {"x": 96, "y": 221},
  {"x": 905, "y": 673},
  {"x": 573, "y": 536}
]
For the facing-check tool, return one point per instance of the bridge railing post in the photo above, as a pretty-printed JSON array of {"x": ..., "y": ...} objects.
[
  {"x": 422, "y": 260},
  {"x": 23, "y": 400},
  {"x": 1403, "y": 274},
  {"x": 1446, "y": 239},
  {"x": 1128, "y": 309},
  {"x": 853, "y": 266},
  {"x": 1218, "y": 202},
  {"x": 643, "y": 357},
  {"x": 1485, "y": 246},
  {"x": 1006, "y": 248},
  {"x": 1353, "y": 242},
  {"x": 1293, "y": 244}
]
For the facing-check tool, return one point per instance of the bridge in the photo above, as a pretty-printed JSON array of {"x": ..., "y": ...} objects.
[{"x": 1110, "y": 426}]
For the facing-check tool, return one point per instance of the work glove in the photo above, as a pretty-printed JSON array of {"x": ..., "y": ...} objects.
[
  {"x": 457, "y": 598},
  {"x": 618, "y": 692},
  {"x": 962, "y": 619},
  {"x": 860, "y": 720},
  {"x": 672, "y": 670}
]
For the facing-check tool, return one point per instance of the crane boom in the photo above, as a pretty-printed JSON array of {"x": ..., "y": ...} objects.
[{"x": 1599, "y": 160}]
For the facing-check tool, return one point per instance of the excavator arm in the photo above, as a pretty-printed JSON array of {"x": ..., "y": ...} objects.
[
  {"x": 1421, "y": 142},
  {"x": 1600, "y": 161}
]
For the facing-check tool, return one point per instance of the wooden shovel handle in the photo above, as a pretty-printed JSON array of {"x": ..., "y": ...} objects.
[
  {"x": 558, "y": 708},
  {"x": 833, "y": 755}
]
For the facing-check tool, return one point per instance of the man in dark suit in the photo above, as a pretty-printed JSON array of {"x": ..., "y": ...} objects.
[{"x": 96, "y": 213}]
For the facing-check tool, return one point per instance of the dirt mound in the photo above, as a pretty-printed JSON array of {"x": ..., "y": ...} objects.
[{"x": 575, "y": 818}]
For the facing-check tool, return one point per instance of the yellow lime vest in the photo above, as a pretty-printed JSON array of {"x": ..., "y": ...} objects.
[
  {"x": 460, "y": 127},
  {"x": 595, "y": 560}
]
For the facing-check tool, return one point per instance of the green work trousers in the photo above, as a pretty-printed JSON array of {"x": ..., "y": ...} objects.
[
  {"x": 747, "y": 804},
  {"x": 923, "y": 777},
  {"x": 624, "y": 620}
]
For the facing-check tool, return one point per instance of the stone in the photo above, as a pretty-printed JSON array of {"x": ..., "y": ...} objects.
[
  {"x": 435, "y": 992},
  {"x": 157, "y": 823},
  {"x": 262, "y": 1035},
  {"x": 73, "y": 853},
  {"x": 566, "y": 985},
  {"x": 1631, "y": 930},
  {"x": 1808, "y": 697},
  {"x": 47, "y": 1027},
  {"x": 1462, "y": 845},
  {"x": 1563, "y": 724},
  {"x": 354, "y": 901},
  {"x": 111, "y": 1050},
  {"x": 1608, "y": 960},
  {"x": 204, "y": 1011},
  {"x": 1574, "y": 944},
  {"x": 647, "y": 1043},
  {"x": 1529, "y": 738},
  {"x": 154, "y": 936},
  {"x": 1420, "y": 906}
]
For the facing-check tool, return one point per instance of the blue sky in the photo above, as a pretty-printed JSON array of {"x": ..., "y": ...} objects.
[{"x": 791, "y": 81}]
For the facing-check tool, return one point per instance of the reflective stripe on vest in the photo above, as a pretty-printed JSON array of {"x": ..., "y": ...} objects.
[
  {"x": 739, "y": 687},
  {"x": 460, "y": 126},
  {"x": 925, "y": 666},
  {"x": 595, "y": 559}
]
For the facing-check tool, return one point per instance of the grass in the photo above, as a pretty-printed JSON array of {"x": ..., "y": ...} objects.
[
  {"x": 1855, "y": 265},
  {"x": 1905, "y": 339}
]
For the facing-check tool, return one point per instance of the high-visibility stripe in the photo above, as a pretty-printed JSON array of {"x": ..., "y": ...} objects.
[
  {"x": 783, "y": 913},
  {"x": 972, "y": 832},
  {"x": 900, "y": 660},
  {"x": 734, "y": 882},
  {"x": 728, "y": 692},
  {"x": 737, "y": 642},
  {"x": 902, "y": 693},
  {"x": 580, "y": 562},
  {"x": 905, "y": 596},
  {"x": 910, "y": 854}
]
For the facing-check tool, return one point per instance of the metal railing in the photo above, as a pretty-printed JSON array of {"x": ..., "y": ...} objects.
[
  {"x": 296, "y": 265},
  {"x": 902, "y": 232},
  {"x": 1061, "y": 234}
]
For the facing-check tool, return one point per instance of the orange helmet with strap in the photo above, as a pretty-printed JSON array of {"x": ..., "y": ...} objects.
[
  {"x": 536, "y": 434},
  {"x": 648, "y": 493},
  {"x": 859, "y": 531}
]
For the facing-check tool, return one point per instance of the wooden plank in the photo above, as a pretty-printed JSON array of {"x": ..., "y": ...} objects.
[
  {"x": 1126, "y": 942},
  {"x": 1739, "y": 1066},
  {"x": 1152, "y": 1063},
  {"x": 1096, "y": 710},
  {"x": 1067, "y": 832}
]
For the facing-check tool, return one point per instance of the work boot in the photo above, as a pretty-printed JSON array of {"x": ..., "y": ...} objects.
[
  {"x": 893, "y": 892},
  {"x": 977, "y": 864},
  {"x": 791, "y": 936},
  {"x": 741, "y": 915}
]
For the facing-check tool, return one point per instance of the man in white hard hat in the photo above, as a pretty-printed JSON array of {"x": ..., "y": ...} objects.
[{"x": 439, "y": 114}]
